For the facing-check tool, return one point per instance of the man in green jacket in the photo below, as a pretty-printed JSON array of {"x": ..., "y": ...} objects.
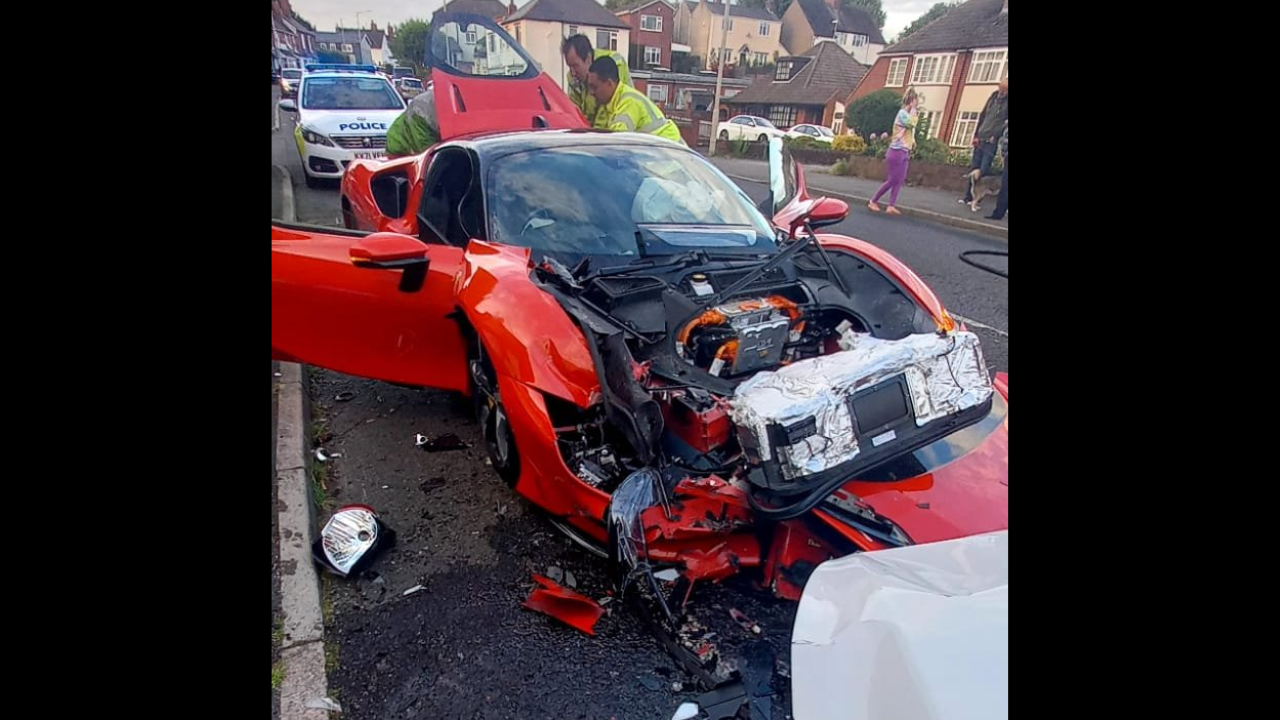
[
  {"x": 579, "y": 56},
  {"x": 623, "y": 108},
  {"x": 416, "y": 129}
]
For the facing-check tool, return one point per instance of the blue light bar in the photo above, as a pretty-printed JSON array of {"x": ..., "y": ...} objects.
[{"x": 321, "y": 67}]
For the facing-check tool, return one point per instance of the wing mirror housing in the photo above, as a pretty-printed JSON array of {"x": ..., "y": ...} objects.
[{"x": 393, "y": 251}]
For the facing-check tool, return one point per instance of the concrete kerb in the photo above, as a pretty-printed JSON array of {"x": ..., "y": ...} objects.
[
  {"x": 305, "y": 688},
  {"x": 287, "y": 207},
  {"x": 995, "y": 231}
]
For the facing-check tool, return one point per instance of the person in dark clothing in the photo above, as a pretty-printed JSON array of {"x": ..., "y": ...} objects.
[
  {"x": 1002, "y": 202},
  {"x": 991, "y": 122}
]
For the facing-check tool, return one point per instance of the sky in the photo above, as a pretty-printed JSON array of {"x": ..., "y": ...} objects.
[{"x": 326, "y": 14}]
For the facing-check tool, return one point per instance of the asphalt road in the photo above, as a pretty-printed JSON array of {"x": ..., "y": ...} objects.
[{"x": 459, "y": 645}]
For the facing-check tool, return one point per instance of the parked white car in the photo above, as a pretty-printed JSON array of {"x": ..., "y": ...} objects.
[
  {"x": 750, "y": 128},
  {"x": 813, "y": 132}
]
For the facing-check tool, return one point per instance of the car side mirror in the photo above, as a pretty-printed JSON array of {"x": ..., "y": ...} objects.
[
  {"x": 393, "y": 251},
  {"x": 821, "y": 212},
  {"x": 288, "y": 106}
]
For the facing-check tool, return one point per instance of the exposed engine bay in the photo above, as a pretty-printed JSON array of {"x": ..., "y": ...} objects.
[{"x": 786, "y": 383}]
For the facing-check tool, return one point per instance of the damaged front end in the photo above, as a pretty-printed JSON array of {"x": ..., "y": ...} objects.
[{"x": 766, "y": 414}]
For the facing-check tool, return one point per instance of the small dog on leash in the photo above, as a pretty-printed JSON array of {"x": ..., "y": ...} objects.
[{"x": 981, "y": 187}]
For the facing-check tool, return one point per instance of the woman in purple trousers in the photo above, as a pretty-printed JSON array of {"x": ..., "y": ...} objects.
[{"x": 899, "y": 154}]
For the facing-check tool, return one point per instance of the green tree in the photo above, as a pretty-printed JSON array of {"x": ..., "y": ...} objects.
[
  {"x": 410, "y": 42},
  {"x": 933, "y": 13},
  {"x": 872, "y": 7},
  {"x": 874, "y": 113}
]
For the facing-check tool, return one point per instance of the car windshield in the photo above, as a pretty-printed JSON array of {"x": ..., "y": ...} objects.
[
  {"x": 411, "y": 83},
  {"x": 592, "y": 201},
  {"x": 764, "y": 123},
  {"x": 291, "y": 74},
  {"x": 472, "y": 49},
  {"x": 826, "y": 132},
  {"x": 349, "y": 93}
]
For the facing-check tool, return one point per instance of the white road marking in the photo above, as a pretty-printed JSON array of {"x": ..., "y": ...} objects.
[{"x": 984, "y": 326}]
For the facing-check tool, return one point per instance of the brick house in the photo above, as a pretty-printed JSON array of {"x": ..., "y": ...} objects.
[
  {"x": 652, "y": 25},
  {"x": 754, "y": 36},
  {"x": 540, "y": 26},
  {"x": 806, "y": 88},
  {"x": 808, "y": 22},
  {"x": 292, "y": 43},
  {"x": 956, "y": 61}
]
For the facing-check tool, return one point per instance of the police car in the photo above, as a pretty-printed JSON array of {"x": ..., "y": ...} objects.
[{"x": 343, "y": 115}]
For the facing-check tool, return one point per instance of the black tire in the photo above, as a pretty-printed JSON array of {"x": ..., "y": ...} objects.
[
  {"x": 724, "y": 135},
  {"x": 499, "y": 442},
  {"x": 763, "y": 138}
]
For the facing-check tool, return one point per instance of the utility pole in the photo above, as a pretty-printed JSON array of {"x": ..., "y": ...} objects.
[{"x": 715, "y": 102}]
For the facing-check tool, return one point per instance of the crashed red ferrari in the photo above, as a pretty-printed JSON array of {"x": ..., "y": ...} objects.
[{"x": 689, "y": 384}]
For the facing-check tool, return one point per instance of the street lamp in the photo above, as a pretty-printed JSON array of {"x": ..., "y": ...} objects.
[{"x": 715, "y": 103}]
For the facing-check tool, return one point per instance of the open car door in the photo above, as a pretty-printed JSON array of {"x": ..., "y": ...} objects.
[
  {"x": 485, "y": 82},
  {"x": 375, "y": 305}
]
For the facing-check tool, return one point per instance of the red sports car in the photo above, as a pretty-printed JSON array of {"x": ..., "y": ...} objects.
[{"x": 687, "y": 382}]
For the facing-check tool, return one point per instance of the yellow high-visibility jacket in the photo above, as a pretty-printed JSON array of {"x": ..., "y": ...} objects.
[{"x": 630, "y": 111}]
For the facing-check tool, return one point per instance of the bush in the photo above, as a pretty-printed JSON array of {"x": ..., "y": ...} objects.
[
  {"x": 931, "y": 150},
  {"x": 804, "y": 142},
  {"x": 841, "y": 167},
  {"x": 878, "y": 146},
  {"x": 874, "y": 113},
  {"x": 849, "y": 143}
]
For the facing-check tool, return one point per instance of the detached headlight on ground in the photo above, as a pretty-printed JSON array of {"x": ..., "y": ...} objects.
[
  {"x": 316, "y": 138},
  {"x": 351, "y": 538}
]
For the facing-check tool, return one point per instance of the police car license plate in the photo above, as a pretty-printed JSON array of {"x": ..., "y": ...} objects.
[{"x": 370, "y": 155}]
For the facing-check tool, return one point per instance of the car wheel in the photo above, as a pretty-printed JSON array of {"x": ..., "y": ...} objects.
[
  {"x": 499, "y": 441},
  {"x": 763, "y": 138},
  {"x": 724, "y": 135}
]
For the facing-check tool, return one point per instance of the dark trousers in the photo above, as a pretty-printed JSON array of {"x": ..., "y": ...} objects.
[
  {"x": 1002, "y": 202},
  {"x": 983, "y": 156}
]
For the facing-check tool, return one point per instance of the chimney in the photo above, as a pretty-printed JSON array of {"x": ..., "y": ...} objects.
[
  {"x": 373, "y": 25},
  {"x": 511, "y": 7}
]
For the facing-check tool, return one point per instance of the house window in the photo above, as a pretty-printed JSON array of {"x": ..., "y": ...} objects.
[
  {"x": 783, "y": 72},
  {"x": 606, "y": 39},
  {"x": 471, "y": 37},
  {"x": 652, "y": 23},
  {"x": 897, "y": 72},
  {"x": 573, "y": 30},
  {"x": 782, "y": 115},
  {"x": 934, "y": 118},
  {"x": 842, "y": 38},
  {"x": 933, "y": 69},
  {"x": 759, "y": 58},
  {"x": 989, "y": 67},
  {"x": 859, "y": 40},
  {"x": 764, "y": 29},
  {"x": 658, "y": 93},
  {"x": 493, "y": 44},
  {"x": 346, "y": 47},
  {"x": 652, "y": 55},
  {"x": 966, "y": 126}
]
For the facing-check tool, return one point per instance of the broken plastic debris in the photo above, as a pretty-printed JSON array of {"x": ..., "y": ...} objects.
[
  {"x": 448, "y": 441},
  {"x": 668, "y": 575},
  {"x": 324, "y": 703},
  {"x": 277, "y": 374},
  {"x": 686, "y": 711},
  {"x": 570, "y": 580},
  {"x": 413, "y": 590},
  {"x": 555, "y": 573},
  {"x": 345, "y": 395},
  {"x": 565, "y": 605},
  {"x": 747, "y": 623},
  {"x": 321, "y": 456}
]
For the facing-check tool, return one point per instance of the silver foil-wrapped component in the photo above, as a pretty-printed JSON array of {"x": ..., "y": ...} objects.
[{"x": 944, "y": 375}]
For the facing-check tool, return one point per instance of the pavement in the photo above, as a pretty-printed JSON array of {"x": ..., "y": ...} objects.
[
  {"x": 435, "y": 628},
  {"x": 938, "y": 206}
]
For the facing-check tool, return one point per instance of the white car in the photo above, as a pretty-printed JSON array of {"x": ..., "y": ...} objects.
[
  {"x": 750, "y": 128},
  {"x": 289, "y": 79},
  {"x": 344, "y": 112},
  {"x": 813, "y": 132}
]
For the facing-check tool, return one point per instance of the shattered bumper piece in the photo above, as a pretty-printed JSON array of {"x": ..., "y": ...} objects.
[
  {"x": 575, "y": 610},
  {"x": 351, "y": 539}
]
